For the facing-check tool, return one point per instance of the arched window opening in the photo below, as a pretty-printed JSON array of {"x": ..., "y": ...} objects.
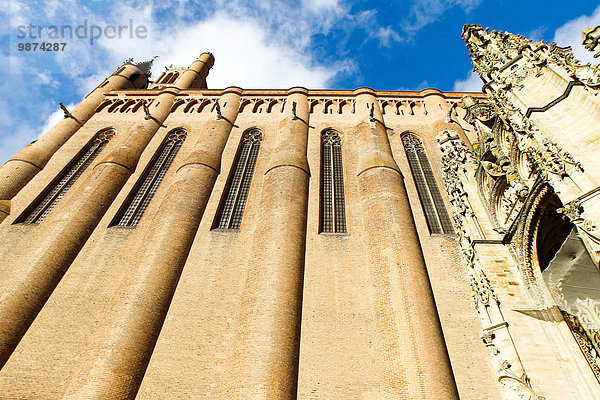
[
  {"x": 162, "y": 78},
  {"x": 432, "y": 203},
  {"x": 236, "y": 191},
  {"x": 115, "y": 105},
  {"x": 38, "y": 210},
  {"x": 132, "y": 210},
  {"x": 173, "y": 78},
  {"x": 333, "y": 214}
]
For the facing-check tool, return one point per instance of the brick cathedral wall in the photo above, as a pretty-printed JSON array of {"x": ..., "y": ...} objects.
[
  {"x": 337, "y": 353},
  {"x": 47, "y": 355}
]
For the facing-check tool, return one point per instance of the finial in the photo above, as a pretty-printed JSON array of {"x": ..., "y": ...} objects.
[
  {"x": 145, "y": 66},
  {"x": 468, "y": 30}
]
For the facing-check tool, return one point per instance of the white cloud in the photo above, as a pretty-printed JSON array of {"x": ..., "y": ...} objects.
[
  {"x": 537, "y": 34},
  {"x": 245, "y": 55},
  {"x": 47, "y": 79},
  {"x": 256, "y": 43},
  {"x": 137, "y": 44},
  {"x": 471, "y": 84},
  {"x": 386, "y": 36},
  {"x": 54, "y": 119},
  {"x": 570, "y": 35},
  {"x": 320, "y": 5},
  {"x": 424, "y": 12}
]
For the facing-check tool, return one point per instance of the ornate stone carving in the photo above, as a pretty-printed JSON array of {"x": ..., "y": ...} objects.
[
  {"x": 544, "y": 156},
  {"x": 518, "y": 73},
  {"x": 591, "y": 39},
  {"x": 585, "y": 318},
  {"x": 493, "y": 168},
  {"x": 454, "y": 158},
  {"x": 588, "y": 311},
  {"x": 504, "y": 190},
  {"x": 575, "y": 212},
  {"x": 572, "y": 210},
  {"x": 484, "y": 295},
  {"x": 481, "y": 111},
  {"x": 563, "y": 57},
  {"x": 494, "y": 54},
  {"x": 510, "y": 201},
  {"x": 508, "y": 64},
  {"x": 457, "y": 160},
  {"x": 550, "y": 158},
  {"x": 519, "y": 388},
  {"x": 582, "y": 338}
]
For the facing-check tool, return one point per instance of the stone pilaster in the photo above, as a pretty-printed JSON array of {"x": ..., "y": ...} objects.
[
  {"x": 25, "y": 293},
  {"x": 264, "y": 351},
  {"x": 413, "y": 359},
  {"x": 21, "y": 168},
  {"x": 115, "y": 365}
]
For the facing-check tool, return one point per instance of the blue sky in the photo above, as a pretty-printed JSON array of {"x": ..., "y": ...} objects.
[{"x": 398, "y": 45}]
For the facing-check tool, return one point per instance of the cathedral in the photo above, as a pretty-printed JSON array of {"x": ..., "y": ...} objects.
[{"x": 168, "y": 240}]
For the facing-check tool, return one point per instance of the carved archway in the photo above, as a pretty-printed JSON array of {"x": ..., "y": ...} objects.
[
  {"x": 543, "y": 231},
  {"x": 559, "y": 271}
]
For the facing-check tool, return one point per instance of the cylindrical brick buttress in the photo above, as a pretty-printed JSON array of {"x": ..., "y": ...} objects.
[
  {"x": 25, "y": 293},
  {"x": 263, "y": 361},
  {"x": 116, "y": 363},
  {"x": 412, "y": 357}
]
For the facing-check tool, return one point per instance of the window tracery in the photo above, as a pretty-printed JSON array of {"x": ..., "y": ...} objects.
[
  {"x": 432, "y": 203},
  {"x": 333, "y": 214},
  {"x": 134, "y": 207},
  {"x": 234, "y": 200},
  {"x": 67, "y": 177}
]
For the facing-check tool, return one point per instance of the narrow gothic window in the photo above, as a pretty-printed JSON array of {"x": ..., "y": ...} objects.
[
  {"x": 234, "y": 199},
  {"x": 134, "y": 207},
  {"x": 67, "y": 177},
  {"x": 333, "y": 215},
  {"x": 436, "y": 215}
]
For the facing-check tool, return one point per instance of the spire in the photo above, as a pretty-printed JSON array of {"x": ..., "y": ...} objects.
[
  {"x": 491, "y": 50},
  {"x": 505, "y": 60},
  {"x": 522, "y": 78}
]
